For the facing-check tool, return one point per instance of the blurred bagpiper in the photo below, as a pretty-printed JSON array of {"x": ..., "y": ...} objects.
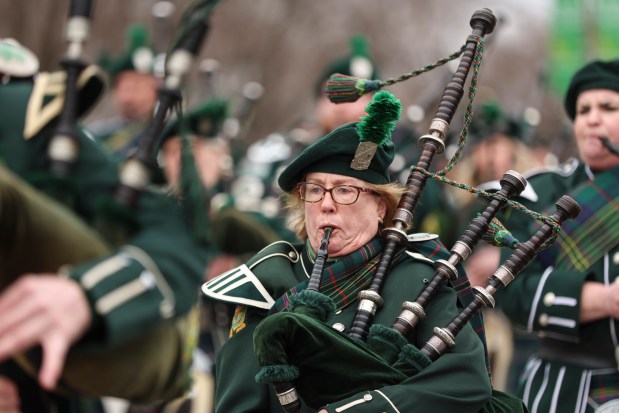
[
  {"x": 114, "y": 315},
  {"x": 134, "y": 92}
]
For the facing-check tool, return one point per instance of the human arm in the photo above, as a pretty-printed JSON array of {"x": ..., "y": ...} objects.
[
  {"x": 43, "y": 309},
  {"x": 599, "y": 301}
]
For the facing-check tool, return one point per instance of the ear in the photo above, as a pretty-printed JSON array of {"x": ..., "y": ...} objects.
[{"x": 382, "y": 208}]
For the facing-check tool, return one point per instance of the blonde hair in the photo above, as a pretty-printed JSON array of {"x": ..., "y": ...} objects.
[{"x": 390, "y": 193}]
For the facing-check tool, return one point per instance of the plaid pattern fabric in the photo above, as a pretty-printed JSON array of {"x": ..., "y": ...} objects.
[
  {"x": 603, "y": 388},
  {"x": 342, "y": 278},
  {"x": 585, "y": 240},
  {"x": 435, "y": 250}
]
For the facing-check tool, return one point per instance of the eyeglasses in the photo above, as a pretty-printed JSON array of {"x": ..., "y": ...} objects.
[{"x": 341, "y": 194}]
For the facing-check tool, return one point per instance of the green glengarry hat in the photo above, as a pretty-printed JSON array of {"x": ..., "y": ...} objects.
[
  {"x": 357, "y": 63},
  {"x": 138, "y": 55},
  {"x": 595, "y": 75},
  {"x": 361, "y": 150},
  {"x": 205, "y": 120},
  {"x": 490, "y": 118}
]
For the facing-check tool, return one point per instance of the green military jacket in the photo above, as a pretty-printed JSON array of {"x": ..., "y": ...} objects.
[
  {"x": 573, "y": 357},
  {"x": 151, "y": 278},
  {"x": 456, "y": 382}
]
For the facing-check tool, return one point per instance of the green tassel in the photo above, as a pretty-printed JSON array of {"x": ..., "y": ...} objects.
[
  {"x": 193, "y": 192},
  {"x": 386, "y": 342},
  {"x": 415, "y": 357},
  {"x": 277, "y": 373},
  {"x": 313, "y": 303},
  {"x": 383, "y": 112},
  {"x": 499, "y": 236},
  {"x": 345, "y": 89}
]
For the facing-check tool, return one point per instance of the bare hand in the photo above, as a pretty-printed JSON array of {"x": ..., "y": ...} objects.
[
  {"x": 44, "y": 309},
  {"x": 9, "y": 396},
  {"x": 612, "y": 299}
]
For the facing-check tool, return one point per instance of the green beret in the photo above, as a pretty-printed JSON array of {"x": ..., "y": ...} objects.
[
  {"x": 358, "y": 63},
  {"x": 595, "y": 75},
  {"x": 333, "y": 154},
  {"x": 490, "y": 119},
  {"x": 138, "y": 55},
  {"x": 204, "y": 120}
]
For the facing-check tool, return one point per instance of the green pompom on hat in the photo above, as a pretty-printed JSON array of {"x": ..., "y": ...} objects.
[
  {"x": 357, "y": 63},
  {"x": 595, "y": 75},
  {"x": 138, "y": 55},
  {"x": 490, "y": 119},
  {"x": 339, "y": 151}
]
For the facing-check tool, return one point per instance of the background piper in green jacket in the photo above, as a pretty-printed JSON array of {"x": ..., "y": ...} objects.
[
  {"x": 108, "y": 318},
  {"x": 324, "y": 191},
  {"x": 569, "y": 295},
  {"x": 134, "y": 92}
]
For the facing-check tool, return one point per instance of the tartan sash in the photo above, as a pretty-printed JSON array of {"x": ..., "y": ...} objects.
[
  {"x": 342, "y": 278},
  {"x": 584, "y": 240}
]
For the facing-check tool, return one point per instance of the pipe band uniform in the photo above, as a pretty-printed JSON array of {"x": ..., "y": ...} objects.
[
  {"x": 300, "y": 335},
  {"x": 566, "y": 295},
  {"x": 119, "y": 279},
  {"x": 136, "y": 291}
]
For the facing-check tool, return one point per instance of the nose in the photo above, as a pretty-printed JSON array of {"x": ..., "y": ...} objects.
[
  {"x": 593, "y": 116},
  {"x": 327, "y": 203}
]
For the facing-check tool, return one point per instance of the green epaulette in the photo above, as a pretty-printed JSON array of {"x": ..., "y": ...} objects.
[{"x": 241, "y": 286}]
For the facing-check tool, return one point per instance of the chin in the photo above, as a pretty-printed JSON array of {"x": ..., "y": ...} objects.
[{"x": 602, "y": 164}]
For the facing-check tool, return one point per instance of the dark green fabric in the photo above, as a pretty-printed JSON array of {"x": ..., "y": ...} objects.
[
  {"x": 456, "y": 382},
  {"x": 333, "y": 366},
  {"x": 314, "y": 304},
  {"x": 595, "y": 75},
  {"x": 502, "y": 402},
  {"x": 333, "y": 154}
]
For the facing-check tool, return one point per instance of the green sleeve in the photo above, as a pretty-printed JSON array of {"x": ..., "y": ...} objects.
[{"x": 153, "y": 277}]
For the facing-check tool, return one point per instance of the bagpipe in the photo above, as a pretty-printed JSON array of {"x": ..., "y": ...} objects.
[
  {"x": 125, "y": 370},
  {"x": 317, "y": 378}
]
